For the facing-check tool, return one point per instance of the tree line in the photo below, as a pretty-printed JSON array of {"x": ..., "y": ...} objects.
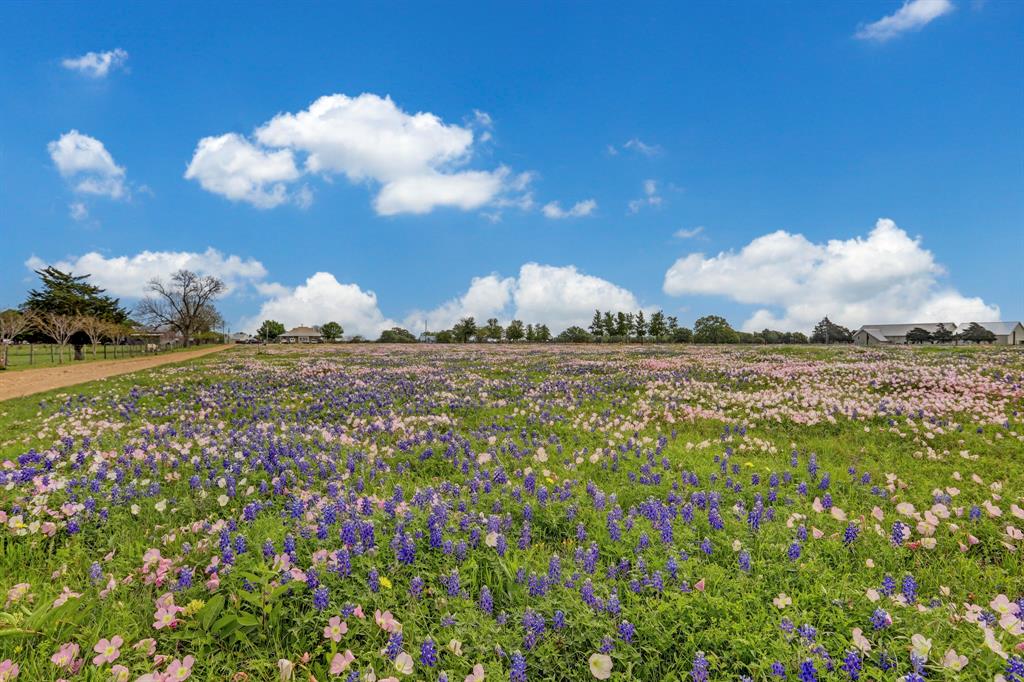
[{"x": 67, "y": 309}]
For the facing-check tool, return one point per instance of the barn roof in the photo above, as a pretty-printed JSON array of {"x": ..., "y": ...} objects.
[
  {"x": 1000, "y": 328},
  {"x": 902, "y": 329}
]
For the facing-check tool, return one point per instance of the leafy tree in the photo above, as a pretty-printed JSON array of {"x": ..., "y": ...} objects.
[
  {"x": 657, "y": 326},
  {"x": 829, "y": 332},
  {"x": 493, "y": 330},
  {"x": 596, "y": 325},
  {"x": 332, "y": 331},
  {"x": 58, "y": 327},
  {"x": 542, "y": 332},
  {"x": 270, "y": 330},
  {"x": 531, "y": 334},
  {"x": 184, "y": 304},
  {"x": 94, "y": 328},
  {"x": 640, "y": 326},
  {"x": 771, "y": 336},
  {"x": 713, "y": 329},
  {"x": 12, "y": 323},
  {"x": 465, "y": 329},
  {"x": 919, "y": 335},
  {"x": 515, "y": 331},
  {"x": 575, "y": 334},
  {"x": 942, "y": 335},
  {"x": 796, "y": 337},
  {"x": 978, "y": 334},
  {"x": 445, "y": 336},
  {"x": 396, "y": 335},
  {"x": 682, "y": 335}
]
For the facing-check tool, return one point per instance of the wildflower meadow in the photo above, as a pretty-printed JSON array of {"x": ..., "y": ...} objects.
[{"x": 554, "y": 512}]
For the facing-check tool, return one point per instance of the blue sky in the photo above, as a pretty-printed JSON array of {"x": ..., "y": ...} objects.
[{"x": 396, "y": 163}]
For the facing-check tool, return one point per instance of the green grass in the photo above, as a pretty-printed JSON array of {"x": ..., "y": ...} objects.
[{"x": 239, "y": 409}]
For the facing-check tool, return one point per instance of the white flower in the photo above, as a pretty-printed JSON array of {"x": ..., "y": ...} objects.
[
  {"x": 403, "y": 663},
  {"x": 601, "y": 666},
  {"x": 921, "y": 645},
  {"x": 953, "y": 661},
  {"x": 782, "y": 601},
  {"x": 222, "y": 500}
]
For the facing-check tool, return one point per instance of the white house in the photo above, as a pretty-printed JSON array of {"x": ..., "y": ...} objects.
[
  {"x": 301, "y": 335},
  {"x": 894, "y": 334},
  {"x": 1007, "y": 333},
  {"x": 242, "y": 337}
]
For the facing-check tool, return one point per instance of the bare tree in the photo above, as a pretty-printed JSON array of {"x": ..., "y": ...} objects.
[
  {"x": 185, "y": 304},
  {"x": 94, "y": 328},
  {"x": 58, "y": 327},
  {"x": 12, "y": 323}
]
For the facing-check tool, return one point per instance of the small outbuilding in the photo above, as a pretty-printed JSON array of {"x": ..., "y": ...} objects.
[{"x": 301, "y": 335}]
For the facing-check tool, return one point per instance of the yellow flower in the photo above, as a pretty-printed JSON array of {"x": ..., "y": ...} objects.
[{"x": 385, "y": 582}]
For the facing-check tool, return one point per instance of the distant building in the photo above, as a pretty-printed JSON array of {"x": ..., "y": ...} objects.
[
  {"x": 427, "y": 337},
  {"x": 894, "y": 334},
  {"x": 1007, "y": 333},
  {"x": 242, "y": 337},
  {"x": 301, "y": 335}
]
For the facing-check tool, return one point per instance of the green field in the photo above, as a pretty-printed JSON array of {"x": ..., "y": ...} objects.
[{"x": 542, "y": 512}]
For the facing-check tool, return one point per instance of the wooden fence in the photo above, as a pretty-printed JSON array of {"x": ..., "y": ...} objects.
[{"x": 48, "y": 354}]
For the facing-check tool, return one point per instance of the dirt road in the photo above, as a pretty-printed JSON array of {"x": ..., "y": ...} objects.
[{"x": 28, "y": 381}]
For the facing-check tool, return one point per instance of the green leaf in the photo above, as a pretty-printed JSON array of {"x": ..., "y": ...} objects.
[
  {"x": 247, "y": 620},
  {"x": 211, "y": 610}
]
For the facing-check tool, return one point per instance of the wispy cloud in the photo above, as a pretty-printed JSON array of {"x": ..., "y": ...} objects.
[
  {"x": 650, "y": 197},
  {"x": 913, "y": 15},
  {"x": 689, "y": 234},
  {"x": 97, "y": 64},
  {"x": 580, "y": 209}
]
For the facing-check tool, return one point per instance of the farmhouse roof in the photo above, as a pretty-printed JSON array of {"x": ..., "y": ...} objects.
[{"x": 302, "y": 331}]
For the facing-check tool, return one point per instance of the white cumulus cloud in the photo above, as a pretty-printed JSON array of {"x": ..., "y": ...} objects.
[
  {"x": 322, "y": 298},
  {"x": 559, "y": 296},
  {"x": 884, "y": 277},
  {"x": 87, "y": 165},
  {"x": 580, "y": 209},
  {"x": 233, "y": 167},
  {"x": 97, "y": 64},
  {"x": 416, "y": 162},
  {"x": 127, "y": 276},
  {"x": 914, "y": 14}
]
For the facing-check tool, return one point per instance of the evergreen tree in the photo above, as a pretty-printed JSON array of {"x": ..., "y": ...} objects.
[
  {"x": 657, "y": 326},
  {"x": 596, "y": 325},
  {"x": 609, "y": 324},
  {"x": 640, "y": 326},
  {"x": 531, "y": 335},
  {"x": 65, "y": 294},
  {"x": 621, "y": 325},
  {"x": 829, "y": 332}
]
